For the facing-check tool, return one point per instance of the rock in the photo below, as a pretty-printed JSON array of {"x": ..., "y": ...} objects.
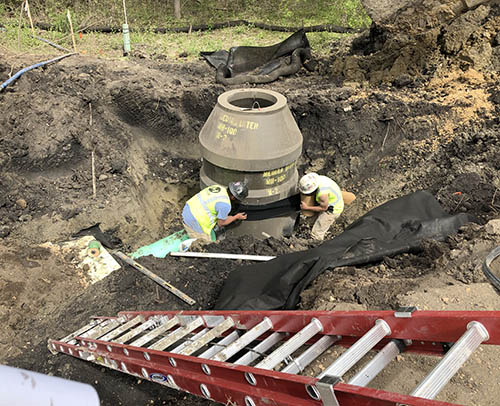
[
  {"x": 493, "y": 227},
  {"x": 21, "y": 203},
  {"x": 4, "y": 231},
  {"x": 103, "y": 177},
  {"x": 402, "y": 80},
  {"x": 25, "y": 217}
]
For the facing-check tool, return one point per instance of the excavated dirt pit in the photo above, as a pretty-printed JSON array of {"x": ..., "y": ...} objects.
[{"x": 141, "y": 119}]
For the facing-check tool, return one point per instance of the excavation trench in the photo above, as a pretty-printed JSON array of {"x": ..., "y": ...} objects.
[{"x": 146, "y": 119}]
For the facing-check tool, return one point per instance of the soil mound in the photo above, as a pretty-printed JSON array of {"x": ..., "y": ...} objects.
[{"x": 421, "y": 41}]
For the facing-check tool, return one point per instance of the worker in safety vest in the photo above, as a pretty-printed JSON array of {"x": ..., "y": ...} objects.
[
  {"x": 328, "y": 197},
  {"x": 210, "y": 208}
]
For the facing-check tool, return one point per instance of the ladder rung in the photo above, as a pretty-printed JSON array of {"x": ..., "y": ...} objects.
[
  {"x": 309, "y": 355},
  {"x": 459, "y": 353},
  {"x": 136, "y": 331},
  {"x": 259, "y": 349},
  {"x": 162, "y": 328},
  {"x": 392, "y": 349},
  {"x": 160, "y": 345},
  {"x": 188, "y": 341},
  {"x": 220, "y": 345},
  {"x": 90, "y": 326},
  {"x": 244, "y": 340},
  {"x": 104, "y": 328},
  {"x": 291, "y": 345},
  {"x": 208, "y": 337},
  {"x": 358, "y": 350},
  {"x": 124, "y": 327}
]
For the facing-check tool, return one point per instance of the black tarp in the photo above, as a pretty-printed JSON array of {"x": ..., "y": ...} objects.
[
  {"x": 243, "y": 59},
  {"x": 395, "y": 227}
]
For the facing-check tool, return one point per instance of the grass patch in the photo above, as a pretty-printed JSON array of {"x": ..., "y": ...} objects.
[{"x": 148, "y": 14}]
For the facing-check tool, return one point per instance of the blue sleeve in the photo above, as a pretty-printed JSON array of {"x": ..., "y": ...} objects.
[{"x": 222, "y": 210}]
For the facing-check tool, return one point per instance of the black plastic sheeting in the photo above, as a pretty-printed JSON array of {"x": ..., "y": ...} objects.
[
  {"x": 245, "y": 58},
  {"x": 281, "y": 208},
  {"x": 395, "y": 227}
]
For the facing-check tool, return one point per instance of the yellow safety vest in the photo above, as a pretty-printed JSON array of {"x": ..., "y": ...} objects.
[
  {"x": 202, "y": 206},
  {"x": 330, "y": 188}
]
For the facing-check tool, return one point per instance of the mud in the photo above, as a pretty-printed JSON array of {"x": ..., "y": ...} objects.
[{"x": 381, "y": 118}]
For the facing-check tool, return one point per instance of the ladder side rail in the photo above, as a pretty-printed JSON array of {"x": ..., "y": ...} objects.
[
  {"x": 452, "y": 361},
  {"x": 423, "y": 325},
  {"x": 225, "y": 382}
]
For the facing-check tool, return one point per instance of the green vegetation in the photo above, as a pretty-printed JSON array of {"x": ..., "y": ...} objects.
[{"x": 149, "y": 14}]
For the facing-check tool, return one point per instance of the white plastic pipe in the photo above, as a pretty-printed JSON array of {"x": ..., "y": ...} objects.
[
  {"x": 19, "y": 387},
  {"x": 222, "y": 256}
]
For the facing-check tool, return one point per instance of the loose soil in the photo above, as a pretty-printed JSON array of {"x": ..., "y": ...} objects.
[{"x": 380, "y": 127}]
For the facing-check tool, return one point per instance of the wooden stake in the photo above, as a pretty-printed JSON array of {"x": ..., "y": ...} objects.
[
  {"x": 154, "y": 277},
  {"x": 386, "y": 133},
  {"x": 19, "y": 27},
  {"x": 29, "y": 16},
  {"x": 71, "y": 28},
  {"x": 125, "y": 12},
  {"x": 94, "y": 188}
]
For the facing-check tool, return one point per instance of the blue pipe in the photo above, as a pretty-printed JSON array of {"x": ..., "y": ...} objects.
[{"x": 18, "y": 74}]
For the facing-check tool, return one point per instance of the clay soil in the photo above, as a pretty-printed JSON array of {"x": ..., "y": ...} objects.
[{"x": 437, "y": 130}]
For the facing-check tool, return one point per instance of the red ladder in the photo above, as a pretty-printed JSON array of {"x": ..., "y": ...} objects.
[{"x": 255, "y": 357}]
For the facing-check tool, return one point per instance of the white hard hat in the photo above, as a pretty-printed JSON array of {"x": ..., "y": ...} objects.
[{"x": 309, "y": 183}]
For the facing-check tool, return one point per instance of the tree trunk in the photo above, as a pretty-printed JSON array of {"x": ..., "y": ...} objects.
[{"x": 177, "y": 8}]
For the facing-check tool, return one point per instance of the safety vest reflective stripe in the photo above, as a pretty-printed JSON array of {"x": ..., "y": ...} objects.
[
  {"x": 330, "y": 188},
  {"x": 210, "y": 215},
  {"x": 202, "y": 206}
]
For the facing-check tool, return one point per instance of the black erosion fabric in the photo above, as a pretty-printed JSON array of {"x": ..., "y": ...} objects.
[
  {"x": 395, "y": 227},
  {"x": 284, "y": 207},
  {"x": 246, "y": 58}
]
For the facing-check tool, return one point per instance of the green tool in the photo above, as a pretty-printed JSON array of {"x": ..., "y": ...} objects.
[{"x": 163, "y": 247}]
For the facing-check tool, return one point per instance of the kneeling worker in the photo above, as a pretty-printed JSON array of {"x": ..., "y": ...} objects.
[
  {"x": 329, "y": 198},
  {"x": 211, "y": 207}
]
